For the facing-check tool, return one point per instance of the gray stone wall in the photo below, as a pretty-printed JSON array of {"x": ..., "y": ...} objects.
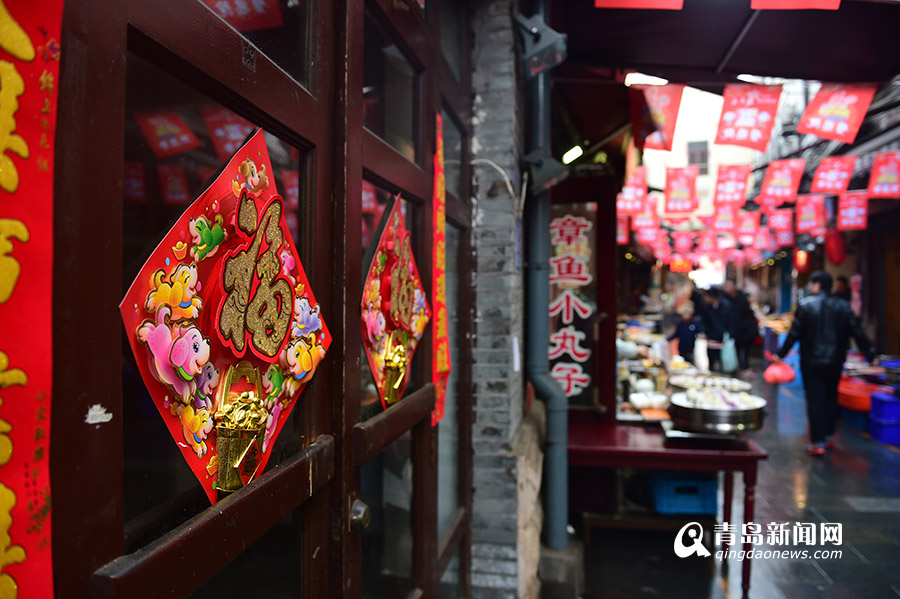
[{"x": 506, "y": 515}]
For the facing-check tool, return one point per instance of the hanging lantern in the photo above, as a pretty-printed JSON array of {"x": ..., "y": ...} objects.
[
  {"x": 801, "y": 261},
  {"x": 835, "y": 248}
]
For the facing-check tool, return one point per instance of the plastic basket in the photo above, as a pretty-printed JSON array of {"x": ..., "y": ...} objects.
[
  {"x": 855, "y": 418},
  {"x": 885, "y": 407},
  {"x": 675, "y": 493},
  {"x": 886, "y": 432}
]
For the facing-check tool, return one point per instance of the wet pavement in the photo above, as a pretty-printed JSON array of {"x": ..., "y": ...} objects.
[{"x": 857, "y": 484}]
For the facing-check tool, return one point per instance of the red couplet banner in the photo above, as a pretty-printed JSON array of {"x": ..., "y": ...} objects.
[
  {"x": 731, "y": 184},
  {"x": 654, "y": 112},
  {"x": 853, "y": 211},
  {"x": 781, "y": 183},
  {"x": 440, "y": 360},
  {"x": 29, "y": 73},
  {"x": 833, "y": 175},
  {"x": 837, "y": 111},
  {"x": 681, "y": 189},
  {"x": 884, "y": 180},
  {"x": 748, "y": 115}
]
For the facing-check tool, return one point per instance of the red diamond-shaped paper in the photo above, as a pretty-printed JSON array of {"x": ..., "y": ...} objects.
[
  {"x": 395, "y": 310},
  {"x": 225, "y": 285}
]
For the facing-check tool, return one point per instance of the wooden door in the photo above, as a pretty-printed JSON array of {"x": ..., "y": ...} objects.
[{"x": 128, "y": 519}]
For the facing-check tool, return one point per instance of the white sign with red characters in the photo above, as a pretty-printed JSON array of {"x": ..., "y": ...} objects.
[
  {"x": 837, "y": 111},
  {"x": 853, "y": 211},
  {"x": 833, "y": 175},
  {"x": 748, "y": 115},
  {"x": 884, "y": 182},
  {"x": 731, "y": 184}
]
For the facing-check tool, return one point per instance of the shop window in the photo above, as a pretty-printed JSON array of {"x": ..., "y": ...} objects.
[
  {"x": 698, "y": 154},
  {"x": 453, "y": 155},
  {"x": 278, "y": 28},
  {"x": 448, "y": 429},
  {"x": 449, "y": 585},
  {"x": 451, "y": 34},
  {"x": 176, "y": 141},
  {"x": 390, "y": 95},
  {"x": 387, "y": 543}
]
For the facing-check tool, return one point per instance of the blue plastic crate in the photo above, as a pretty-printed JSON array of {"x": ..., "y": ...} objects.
[
  {"x": 858, "y": 420},
  {"x": 885, "y": 407},
  {"x": 886, "y": 432},
  {"x": 679, "y": 493}
]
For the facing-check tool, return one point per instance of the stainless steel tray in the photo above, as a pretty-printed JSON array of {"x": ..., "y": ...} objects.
[{"x": 717, "y": 421}]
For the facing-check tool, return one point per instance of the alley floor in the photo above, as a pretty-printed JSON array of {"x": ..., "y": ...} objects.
[{"x": 857, "y": 484}]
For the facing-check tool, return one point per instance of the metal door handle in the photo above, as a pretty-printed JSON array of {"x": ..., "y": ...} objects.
[{"x": 360, "y": 516}]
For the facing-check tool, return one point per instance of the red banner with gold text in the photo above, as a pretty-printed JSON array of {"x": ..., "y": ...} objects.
[
  {"x": 837, "y": 111},
  {"x": 440, "y": 363},
  {"x": 29, "y": 71},
  {"x": 853, "y": 211},
  {"x": 884, "y": 180},
  {"x": 748, "y": 115},
  {"x": 833, "y": 175},
  {"x": 653, "y": 116}
]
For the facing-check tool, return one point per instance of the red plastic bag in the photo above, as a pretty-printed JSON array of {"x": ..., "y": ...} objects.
[{"x": 778, "y": 372}]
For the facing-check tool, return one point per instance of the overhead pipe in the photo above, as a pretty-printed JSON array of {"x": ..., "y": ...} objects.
[{"x": 537, "y": 299}]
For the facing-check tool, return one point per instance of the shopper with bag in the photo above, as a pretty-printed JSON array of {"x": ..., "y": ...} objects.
[
  {"x": 746, "y": 329},
  {"x": 823, "y": 324},
  {"x": 717, "y": 321}
]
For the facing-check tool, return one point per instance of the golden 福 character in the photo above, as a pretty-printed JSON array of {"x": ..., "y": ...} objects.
[
  {"x": 9, "y": 553},
  {"x": 11, "y": 87},
  {"x": 13, "y": 38},
  {"x": 9, "y": 266},
  {"x": 10, "y": 376}
]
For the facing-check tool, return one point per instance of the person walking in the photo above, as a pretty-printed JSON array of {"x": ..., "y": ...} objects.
[
  {"x": 746, "y": 328},
  {"x": 823, "y": 324},
  {"x": 717, "y": 318}
]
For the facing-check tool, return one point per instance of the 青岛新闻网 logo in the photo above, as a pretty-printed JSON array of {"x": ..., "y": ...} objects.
[{"x": 688, "y": 541}]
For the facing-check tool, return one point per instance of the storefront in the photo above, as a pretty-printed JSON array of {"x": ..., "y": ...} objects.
[{"x": 356, "y": 500}]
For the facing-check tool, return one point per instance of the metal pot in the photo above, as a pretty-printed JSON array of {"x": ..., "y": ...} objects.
[{"x": 724, "y": 421}]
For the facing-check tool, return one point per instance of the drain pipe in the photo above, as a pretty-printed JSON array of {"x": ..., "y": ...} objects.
[{"x": 537, "y": 301}]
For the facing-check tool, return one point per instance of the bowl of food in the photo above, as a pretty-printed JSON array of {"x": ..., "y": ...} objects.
[{"x": 709, "y": 381}]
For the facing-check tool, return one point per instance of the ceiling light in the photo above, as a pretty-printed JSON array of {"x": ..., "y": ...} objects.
[
  {"x": 642, "y": 79},
  {"x": 572, "y": 154}
]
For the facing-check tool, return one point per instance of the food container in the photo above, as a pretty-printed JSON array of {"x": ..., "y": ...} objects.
[{"x": 725, "y": 420}]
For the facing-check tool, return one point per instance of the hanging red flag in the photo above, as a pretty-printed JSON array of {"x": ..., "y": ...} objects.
[
  {"x": 226, "y": 129},
  {"x": 622, "y": 230},
  {"x": 780, "y": 183},
  {"x": 726, "y": 242},
  {"x": 781, "y": 220},
  {"x": 681, "y": 189},
  {"x": 837, "y": 111},
  {"x": 648, "y": 236},
  {"x": 833, "y": 175},
  {"x": 174, "y": 184},
  {"x": 784, "y": 238},
  {"x": 853, "y": 211},
  {"x": 731, "y": 184},
  {"x": 795, "y": 4},
  {"x": 884, "y": 181},
  {"x": 648, "y": 218},
  {"x": 632, "y": 199},
  {"x": 747, "y": 223},
  {"x": 810, "y": 214},
  {"x": 684, "y": 241},
  {"x": 654, "y": 111},
  {"x": 167, "y": 133},
  {"x": 707, "y": 242},
  {"x": 748, "y": 115},
  {"x": 134, "y": 184},
  {"x": 725, "y": 218},
  {"x": 658, "y": 4},
  {"x": 764, "y": 240}
]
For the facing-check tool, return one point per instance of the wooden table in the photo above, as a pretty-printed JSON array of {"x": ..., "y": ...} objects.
[{"x": 600, "y": 445}]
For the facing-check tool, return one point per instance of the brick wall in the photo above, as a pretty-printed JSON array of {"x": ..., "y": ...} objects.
[{"x": 506, "y": 515}]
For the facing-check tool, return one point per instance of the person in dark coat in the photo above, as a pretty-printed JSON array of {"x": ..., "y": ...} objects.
[
  {"x": 687, "y": 330},
  {"x": 842, "y": 288},
  {"x": 745, "y": 326},
  {"x": 717, "y": 318},
  {"x": 823, "y": 324}
]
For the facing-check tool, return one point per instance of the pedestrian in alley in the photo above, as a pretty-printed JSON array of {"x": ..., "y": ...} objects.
[
  {"x": 717, "y": 318},
  {"x": 746, "y": 328},
  {"x": 823, "y": 324},
  {"x": 842, "y": 288},
  {"x": 687, "y": 330}
]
